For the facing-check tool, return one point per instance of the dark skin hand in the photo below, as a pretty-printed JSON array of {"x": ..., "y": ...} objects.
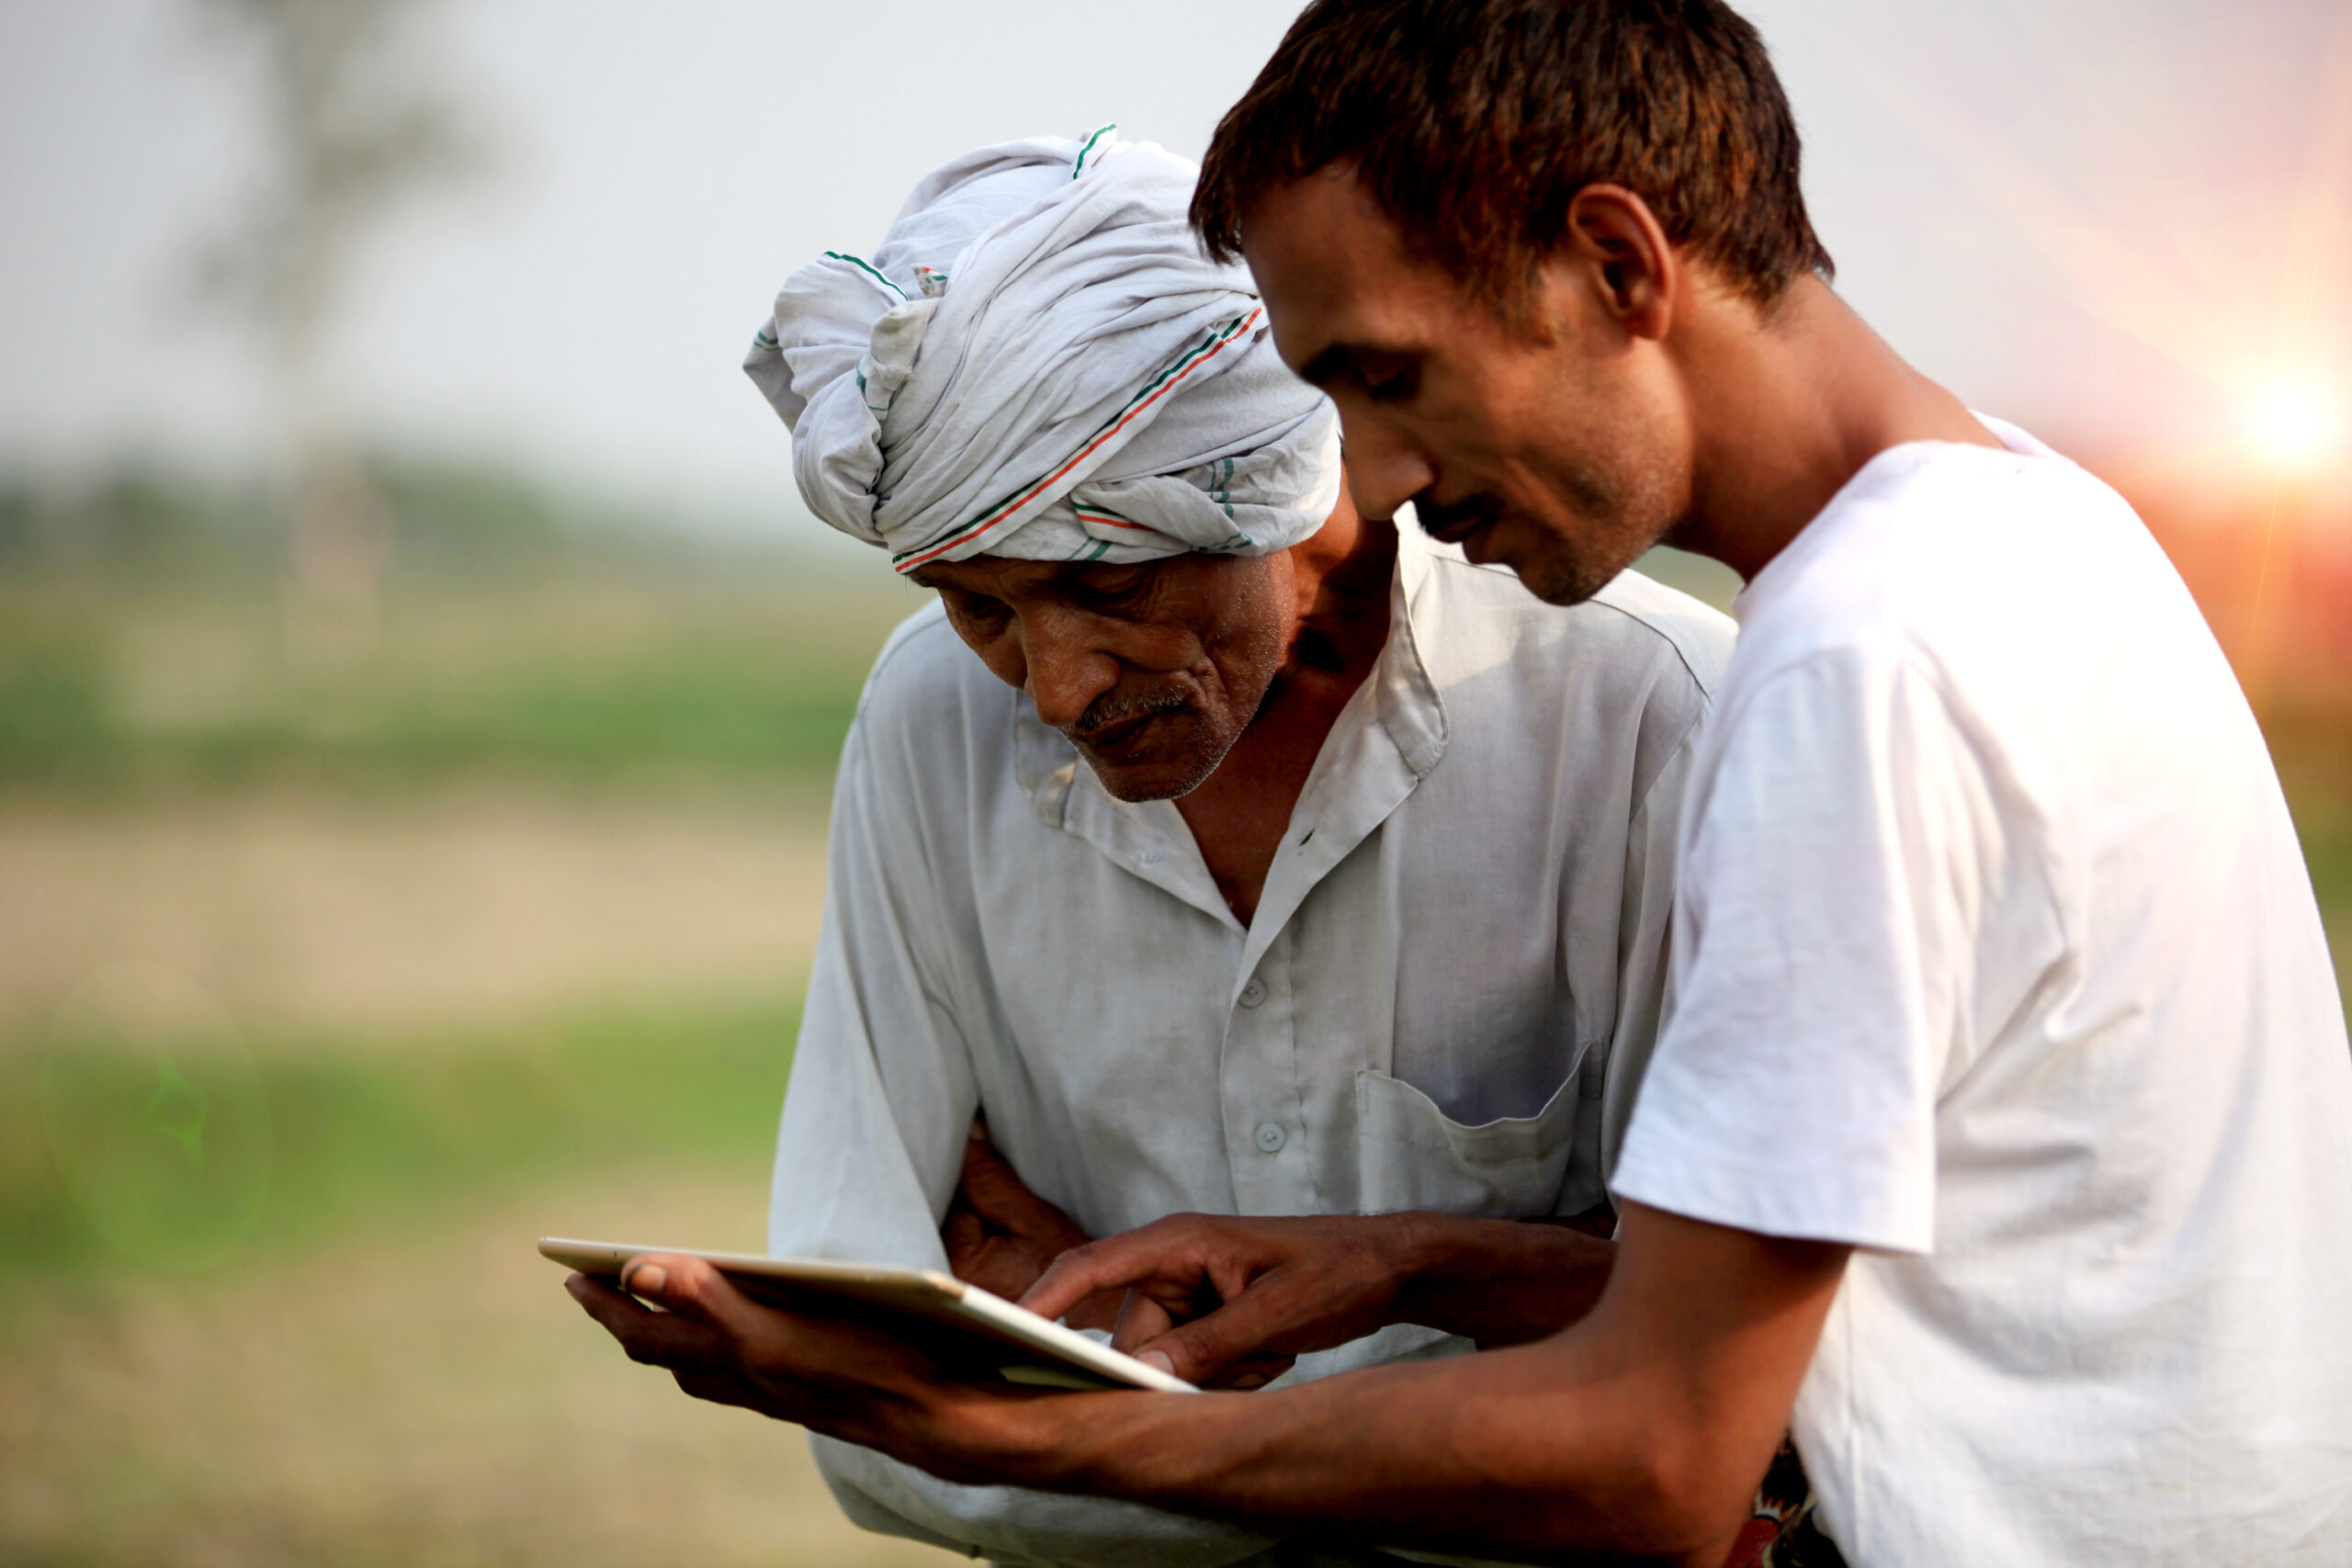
[
  {"x": 1002, "y": 1238},
  {"x": 1641, "y": 1431},
  {"x": 1206, "y": 1291},
  {"x": 722, "y": 1347}
]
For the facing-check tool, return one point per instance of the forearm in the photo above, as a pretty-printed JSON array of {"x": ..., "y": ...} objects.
[
  {"x": 1498, "y": 1282},
  {"x": 1640, "y": 1431},
  {"x": 1536, "y": 1454}
]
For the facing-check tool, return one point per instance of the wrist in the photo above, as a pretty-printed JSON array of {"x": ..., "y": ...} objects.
[
  {"x": 1499, "y": 1281},
  {"x": 1160, "y": 1448},
  {"x": 978, "y": 1436},
  {"x": 1426, "y": 1256}
]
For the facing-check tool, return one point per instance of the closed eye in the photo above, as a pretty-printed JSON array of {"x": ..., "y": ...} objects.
[
  {"x": 1108, "y": 588},
  {"x": 1395, "y": 386},
  {"x": 1385, "y": 374},
  {"x": 976, "y": 610}
]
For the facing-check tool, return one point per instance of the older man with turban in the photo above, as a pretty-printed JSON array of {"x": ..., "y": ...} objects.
[{"x": 1268, "y": 859}]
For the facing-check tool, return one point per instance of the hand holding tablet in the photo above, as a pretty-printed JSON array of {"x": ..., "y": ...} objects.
[{"x": 1023, "y": 1346}]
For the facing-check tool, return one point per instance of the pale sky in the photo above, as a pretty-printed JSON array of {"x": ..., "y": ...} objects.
[{"x": 2114, "y": 220}]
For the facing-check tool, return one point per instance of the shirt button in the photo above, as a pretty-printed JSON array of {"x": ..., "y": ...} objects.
[
  {"x": 1251, "y": 995},
  {"x": 1150, "y": 857},
  {"x": 1271, "y": 1136}
]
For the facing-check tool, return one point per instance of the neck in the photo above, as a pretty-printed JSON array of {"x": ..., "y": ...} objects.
[
  {"x": 1786, "y": 408},
  {"x": 1339, "y": 577}
]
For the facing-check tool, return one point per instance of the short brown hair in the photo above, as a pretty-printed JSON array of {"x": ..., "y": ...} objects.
[{"x": 1473, "y": 123}]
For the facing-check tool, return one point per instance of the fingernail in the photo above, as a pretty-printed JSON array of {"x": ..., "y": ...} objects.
[
  {"x": 648, "y": 1280},
  {"x": 1157, "y": 1359}
]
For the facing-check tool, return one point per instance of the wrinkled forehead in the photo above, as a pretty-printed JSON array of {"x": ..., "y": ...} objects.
[{"x": 999, "y": 577}]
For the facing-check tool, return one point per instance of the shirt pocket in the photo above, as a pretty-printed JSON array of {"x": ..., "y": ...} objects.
[{"x": 1415, "y": 1156}]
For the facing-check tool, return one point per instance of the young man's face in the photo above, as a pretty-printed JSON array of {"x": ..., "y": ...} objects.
[
  {"x": 1152, "y": 671},
  {"x": 1557, "y": 447}
]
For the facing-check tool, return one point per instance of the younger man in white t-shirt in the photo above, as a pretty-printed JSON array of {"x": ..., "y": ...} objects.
[
  {"x": 2000, "y": 963},
  {"x": 2001, "y": 1140}
]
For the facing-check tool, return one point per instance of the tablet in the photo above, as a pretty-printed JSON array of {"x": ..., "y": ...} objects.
[{"x": 1041, "y": 1354}]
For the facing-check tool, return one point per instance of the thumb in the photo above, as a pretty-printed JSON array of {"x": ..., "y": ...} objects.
[
  {"x": 1199, "y": 1351},
  {"x": 1143, "y": 1319},
  {"x": 693, "y": 1290}
]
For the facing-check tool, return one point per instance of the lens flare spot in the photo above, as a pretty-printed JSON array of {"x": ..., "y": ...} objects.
[
  {"x": 157, "y": 1117},
  {"x": 178, "y": 1110},
  {"x": 2294, "y": 421}
]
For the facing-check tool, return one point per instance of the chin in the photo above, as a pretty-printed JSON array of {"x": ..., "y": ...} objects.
[
  {"x": 1565, "y": 577},
  {"x": 1162, "y": 776},
  {"x": 1136, "y": 785},
  {"x": 1168, "y": 779},
  {"x": 1564, "y": 586},
  {"x": 1554, "y": 579},
  {"x": 1533, "y": 555}
]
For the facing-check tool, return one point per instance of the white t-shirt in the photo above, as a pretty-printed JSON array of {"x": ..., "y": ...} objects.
[{"x": 1998, "y": 960}]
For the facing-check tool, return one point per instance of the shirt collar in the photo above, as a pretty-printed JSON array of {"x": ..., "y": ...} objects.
[{"x": 1410, "y": 707}]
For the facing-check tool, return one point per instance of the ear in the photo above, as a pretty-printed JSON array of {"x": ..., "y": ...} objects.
[{"x": 1617, "y": 242}]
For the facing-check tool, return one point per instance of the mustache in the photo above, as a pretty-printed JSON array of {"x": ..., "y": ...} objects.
[
  {"x": 1112, "y": 709},
  {"x": 1449, "y": 522}
]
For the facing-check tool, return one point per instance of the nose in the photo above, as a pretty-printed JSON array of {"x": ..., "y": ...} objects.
[
  {"x": 1384, "y": 470},
  {"x": 1063, "y": 669}
]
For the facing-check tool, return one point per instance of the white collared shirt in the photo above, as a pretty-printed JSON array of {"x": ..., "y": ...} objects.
[{"x": 1444, "y": 1001}]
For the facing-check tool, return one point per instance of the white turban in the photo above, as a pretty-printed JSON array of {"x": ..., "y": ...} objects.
[{"x": 1039, "y": 362}]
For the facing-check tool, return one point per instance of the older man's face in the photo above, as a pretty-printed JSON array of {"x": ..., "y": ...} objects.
[{"x": 1152, "y": 671}]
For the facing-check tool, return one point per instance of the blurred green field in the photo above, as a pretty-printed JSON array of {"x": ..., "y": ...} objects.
[
  {"x": 583, "y": 678},
  {"x": 397, "y": 1132},
  {"x": 500, "y": 906},
  {"x": 382, "y": 1372},
  {"x": 149, "y": 638},
  {"x": 483, "y": 916}
]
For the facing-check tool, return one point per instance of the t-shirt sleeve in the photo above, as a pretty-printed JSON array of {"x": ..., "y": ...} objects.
[{"x": 1829, "y": 896}]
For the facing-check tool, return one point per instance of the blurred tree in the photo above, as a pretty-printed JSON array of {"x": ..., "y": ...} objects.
[{"x": 358, "y": 116}]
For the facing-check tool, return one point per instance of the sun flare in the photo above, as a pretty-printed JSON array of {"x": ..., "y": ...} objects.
[{"x": 2293, "y": 421}]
